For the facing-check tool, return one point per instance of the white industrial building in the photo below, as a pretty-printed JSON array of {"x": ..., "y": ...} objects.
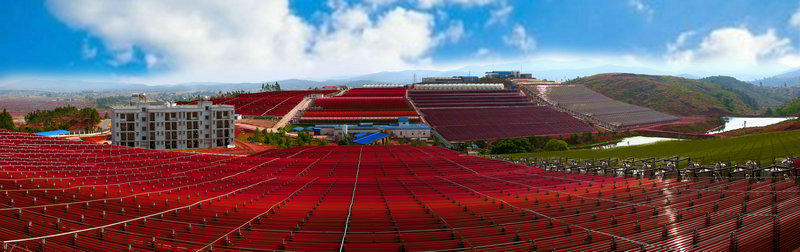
[{"x": 165, "y": 126}]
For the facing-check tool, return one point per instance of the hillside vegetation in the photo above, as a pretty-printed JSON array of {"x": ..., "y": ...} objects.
[
  {"x": 671, "y": 95},
  {"x": 764, "y": 97},
  {"x": 790, "y": 108},
  {"x": 64, "y": 118}
]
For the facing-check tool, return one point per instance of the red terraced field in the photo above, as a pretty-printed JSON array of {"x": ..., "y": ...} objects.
[
  {"x": 375, "y": 92},
  {"x": 69, "y": 195},
  {"x": 362, "y": 104},
  {"x": 275, "y": 103}
]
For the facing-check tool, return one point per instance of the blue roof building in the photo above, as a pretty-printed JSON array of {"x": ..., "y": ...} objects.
[{"x": 369, "y": 138}]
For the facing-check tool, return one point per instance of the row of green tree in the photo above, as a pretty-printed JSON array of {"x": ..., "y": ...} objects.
[
  {"x": 266, "y": 87},
  {"x": 41, "y": 116},
  {"x": 56, "y": 119},
  {"x": 537, "y": 143},
  {"x": 281, "y": 140}
]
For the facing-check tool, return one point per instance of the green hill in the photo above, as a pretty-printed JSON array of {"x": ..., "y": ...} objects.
[
  {"x": 764, "y": 97},
  {"x": 791, "y": 108},
  {"x": 669, "y": 94},
  {"x": 760, "y": 147}
]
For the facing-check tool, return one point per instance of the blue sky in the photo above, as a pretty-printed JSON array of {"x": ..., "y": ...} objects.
[{"x": 248, "y": 40}]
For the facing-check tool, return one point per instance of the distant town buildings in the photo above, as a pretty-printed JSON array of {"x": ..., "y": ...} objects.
[
  {"x": 171, "y": 127},
  {"x": 454, "y": 79},
  {"x": 507, "y": 75},
  {"x": 403, "y": 129},
  {"x": 459, "y": 86}
]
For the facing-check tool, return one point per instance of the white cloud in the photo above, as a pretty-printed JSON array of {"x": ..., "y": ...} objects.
[
  {"x": 499, "y": 15},
  {"x": 642, "y": 7},
  {"x": 87, "y": 50},
  {"x": 251, "y": 40},
  {"x": 675, "y": 50},
  {"x": 426, "y": 4},
  {"x": 123, "y": 54},
  {"x": 452, "y": 34},
  {"x": 482, "y": 52},
  {"x": 519, "y": 38},
  {"x": 795, "y": 19},
  {"x": 730, "y": 46},
  {"x": 152, "y": 60},
  {"x": 379, "y": 2},
  {"x": 398, "y": 39}
]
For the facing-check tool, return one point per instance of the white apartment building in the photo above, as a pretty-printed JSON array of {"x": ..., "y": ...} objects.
[{"x": 171, "y": 127}]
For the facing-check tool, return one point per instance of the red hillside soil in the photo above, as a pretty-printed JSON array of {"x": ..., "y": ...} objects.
[{"x": 687, "y": 125}]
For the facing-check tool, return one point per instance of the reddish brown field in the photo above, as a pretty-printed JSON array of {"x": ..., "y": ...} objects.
[{"x": 19, "y": 106}]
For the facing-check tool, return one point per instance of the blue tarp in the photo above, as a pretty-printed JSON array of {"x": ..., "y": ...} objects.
[
  {"x": 402, "y": 119},
  {"x": 298, "y": 128},
  {"x": 52, "y": 133},
  {"x": 369, "y": 138}
]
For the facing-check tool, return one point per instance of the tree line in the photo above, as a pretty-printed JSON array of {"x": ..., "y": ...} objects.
[
  {"x": 48, "y": 120},
  {"x": 537, "y": 143},
  {"x": 282, "y": 141}
]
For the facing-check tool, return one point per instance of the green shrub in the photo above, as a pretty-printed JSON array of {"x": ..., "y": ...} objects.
[{"x": 555, "y": 145}]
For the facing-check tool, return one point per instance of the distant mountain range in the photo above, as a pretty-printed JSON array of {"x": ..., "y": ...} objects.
[
  {"x": 99, "y": 86},
  {"x": 788, "y": 79},
  {"x": 547, "y": 69},
  {"x": 557, "y": 70}
]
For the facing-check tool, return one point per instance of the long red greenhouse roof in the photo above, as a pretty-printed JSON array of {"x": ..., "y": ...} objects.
[{"x": 61, "y": 195}]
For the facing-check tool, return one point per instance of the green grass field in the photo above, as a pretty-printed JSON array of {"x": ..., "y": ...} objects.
[{"x": 761, "y": 147}]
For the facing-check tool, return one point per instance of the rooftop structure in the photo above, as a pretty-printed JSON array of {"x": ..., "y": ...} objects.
[
  {"x": 382, "y": 86},
  {"x": 370, "y": 138},
  {"x": 454, "y": 79}
]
